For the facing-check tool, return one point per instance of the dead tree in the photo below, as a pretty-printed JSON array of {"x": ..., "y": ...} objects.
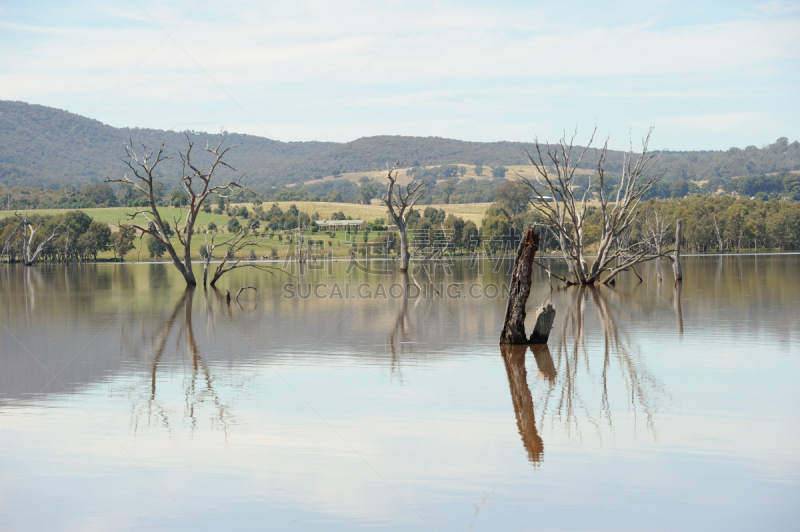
[
  {"x": 656, "y": 225},
  {"x": 196, "y": 181},
  {"x": 520, "y": 289},
  {"x": 553, "y": 187},
  {"x": 675, "y": 258},
  {"x": 234, "y": 244},
  {"x": 400, "y": 200},
  {"x": 28, "y": 256}
]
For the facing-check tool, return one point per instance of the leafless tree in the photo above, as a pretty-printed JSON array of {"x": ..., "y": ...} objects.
[
  {"x": 196, "y": 181},
  {"x": 656, "y": 226},
  {"x": 28, "y": 232},
  {"x": 675, "y": 258},
  {"x": 554, "y": 176},
  {"x": 233, "y": 244},
  {"x": 400, "y": 200}
]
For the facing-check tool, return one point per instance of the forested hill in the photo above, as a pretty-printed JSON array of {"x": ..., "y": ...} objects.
[{"x": 42, "y": 146}]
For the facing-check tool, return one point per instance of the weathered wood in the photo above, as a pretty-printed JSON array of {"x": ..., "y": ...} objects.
[
  {"x": 514, "y": 358},
  {"x": 676, "y": 261},
  {"x": 514, "y": 322},
  {"x": 545, "y": 316}
]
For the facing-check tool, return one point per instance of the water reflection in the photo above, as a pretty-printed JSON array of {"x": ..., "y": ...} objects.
[
  {"x": 400, "y": 337},
  {"x": 676, "y": 303},
  {"x": 514, "y": 359},
  {"x": 198, "y": 384},
  {"x": 575, "y": 355},
  {"x": 170, "y": 372},
  {"x": 564, "y": 389}
]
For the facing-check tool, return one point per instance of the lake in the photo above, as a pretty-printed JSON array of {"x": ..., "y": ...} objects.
[{"x": 345, "y": 396}]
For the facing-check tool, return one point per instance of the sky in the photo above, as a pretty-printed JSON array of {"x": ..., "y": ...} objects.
[{"x": 706, "y": 75}]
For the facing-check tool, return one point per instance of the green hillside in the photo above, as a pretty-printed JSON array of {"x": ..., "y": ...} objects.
[{"x": 42, "y": 146}]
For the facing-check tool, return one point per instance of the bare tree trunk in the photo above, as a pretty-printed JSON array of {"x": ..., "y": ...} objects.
[
  {"x": 514, "y": 323},
  {"x": 514, "y": 359},
  {"x": 404, "y": 256},
  {"x": 676, "y": 261}
]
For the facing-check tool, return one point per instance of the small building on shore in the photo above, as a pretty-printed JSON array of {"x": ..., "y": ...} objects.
[{"x": 341, "y": 225}]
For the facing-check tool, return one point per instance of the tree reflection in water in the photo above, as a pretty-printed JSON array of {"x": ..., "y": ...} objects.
[
  {"x": 401, "y": 336},
  {"x": 561, "y": 398},
  {"x": 199, "y": 388},
  {"x": 514, "y": 359}
]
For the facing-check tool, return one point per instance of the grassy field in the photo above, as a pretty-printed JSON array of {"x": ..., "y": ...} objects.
[
  {"x": 114, "y": 215},
  {"x": 468, "y": 211},
  {"x": 380, "y": 175},
  {"x": 338, "y": 246}
]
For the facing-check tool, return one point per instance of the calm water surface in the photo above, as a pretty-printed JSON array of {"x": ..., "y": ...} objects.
[{"x": 127, "y": 403}]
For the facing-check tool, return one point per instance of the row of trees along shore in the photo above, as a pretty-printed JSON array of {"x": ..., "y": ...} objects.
[
  {"x": 616, "y": 226},
  {"x": 445, "y": 190},
  {"x": 743, "y": 224},
  {"x": 710, "y": 224}
]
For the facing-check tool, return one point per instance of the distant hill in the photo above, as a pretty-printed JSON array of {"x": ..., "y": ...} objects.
[{"x": 42, "y": 146}]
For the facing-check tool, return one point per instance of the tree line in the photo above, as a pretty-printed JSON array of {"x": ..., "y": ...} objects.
[
  {"x": 69, "y": 237},
  {"x": 710, "y": 224}
]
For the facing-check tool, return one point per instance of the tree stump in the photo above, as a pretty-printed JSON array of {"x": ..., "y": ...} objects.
[
  {"x": 514, "y": 322},
  {"x": 544, "y": 323}
]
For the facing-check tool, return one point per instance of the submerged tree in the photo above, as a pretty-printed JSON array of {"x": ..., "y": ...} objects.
[
  {"x": 400, "y": 200},
  {"x": 196, "y": 181},
  {"x": 233, "y": 244},
  {"x": 555, "y": 195}
]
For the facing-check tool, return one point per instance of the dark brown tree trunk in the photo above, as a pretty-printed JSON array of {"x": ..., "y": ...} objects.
[{"x": 514, "y": 323}]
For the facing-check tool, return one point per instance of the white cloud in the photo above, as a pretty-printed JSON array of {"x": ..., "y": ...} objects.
[{"x": 446, "y": 60}]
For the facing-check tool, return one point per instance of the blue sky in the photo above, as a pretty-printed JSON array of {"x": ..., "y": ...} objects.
[{"x": 707, "y": 75}]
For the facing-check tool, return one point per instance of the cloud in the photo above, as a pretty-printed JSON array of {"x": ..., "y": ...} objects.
[{"x": 435, "y": 60}]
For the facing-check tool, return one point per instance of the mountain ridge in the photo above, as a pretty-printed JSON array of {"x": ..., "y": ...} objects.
[{"x": 48, "y": 147}]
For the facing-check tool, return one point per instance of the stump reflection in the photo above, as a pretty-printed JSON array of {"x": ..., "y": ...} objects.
[{"x": 514, "y": 359}]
